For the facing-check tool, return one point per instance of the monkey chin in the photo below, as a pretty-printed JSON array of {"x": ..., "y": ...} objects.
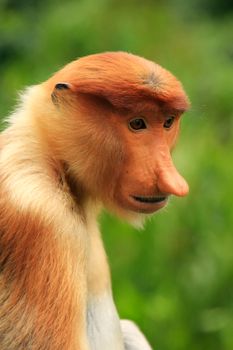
[{"x": 135, "y": 212}]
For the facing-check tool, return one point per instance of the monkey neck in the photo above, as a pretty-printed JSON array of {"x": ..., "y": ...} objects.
[
  {"x": 45, "y": 234},
  {"x": 42, "y": 185}
]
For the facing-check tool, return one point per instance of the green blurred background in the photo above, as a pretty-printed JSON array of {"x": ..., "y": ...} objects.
[{"x": 174, "y": 278}]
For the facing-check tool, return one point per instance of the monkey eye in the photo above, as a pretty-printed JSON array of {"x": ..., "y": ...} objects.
[
  {"x": 168, "y": 122},
  {"x": 137, "y": 124}
]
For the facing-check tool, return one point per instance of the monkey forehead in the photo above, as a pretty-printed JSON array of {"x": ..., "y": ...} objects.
[{"x": 124, "y": 79}]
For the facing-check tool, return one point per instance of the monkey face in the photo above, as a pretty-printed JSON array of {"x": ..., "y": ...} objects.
[
  {"x": 118, "y": 122},
  {"x": 147, "y": 176},
  {"x": 123, "y": 157}
]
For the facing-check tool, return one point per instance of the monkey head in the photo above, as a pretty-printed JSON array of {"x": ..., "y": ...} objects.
[{"x": 118, "y": 118}]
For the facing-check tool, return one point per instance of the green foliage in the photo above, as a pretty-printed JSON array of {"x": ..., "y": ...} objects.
[{"x": 176, "y": 277}]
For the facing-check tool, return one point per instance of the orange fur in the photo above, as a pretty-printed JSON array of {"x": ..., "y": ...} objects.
[
  {"x": 125, "y": 80},
  {"x": 67, "y": 151},
  {"x": 39, "y": 274}
]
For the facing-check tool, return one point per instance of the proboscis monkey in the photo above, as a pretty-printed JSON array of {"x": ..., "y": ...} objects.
[{"x": 97, "y": 133}]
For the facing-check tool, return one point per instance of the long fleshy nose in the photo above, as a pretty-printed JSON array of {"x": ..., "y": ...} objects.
[{"x": 168, "y": 179}]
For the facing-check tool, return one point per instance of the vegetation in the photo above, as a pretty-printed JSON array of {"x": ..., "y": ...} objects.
[{"x": 175, "y": 278}]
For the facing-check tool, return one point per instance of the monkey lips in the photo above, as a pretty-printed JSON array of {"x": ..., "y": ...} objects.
[{"x": 147, "y": 204}]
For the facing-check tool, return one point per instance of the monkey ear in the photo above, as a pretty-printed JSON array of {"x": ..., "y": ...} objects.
[
  {"x": 62, "y": 86},
  {"x": 60, "y": 90}
]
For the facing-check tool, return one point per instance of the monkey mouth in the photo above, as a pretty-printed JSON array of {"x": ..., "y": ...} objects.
[{"x": 150, "y": 199}]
